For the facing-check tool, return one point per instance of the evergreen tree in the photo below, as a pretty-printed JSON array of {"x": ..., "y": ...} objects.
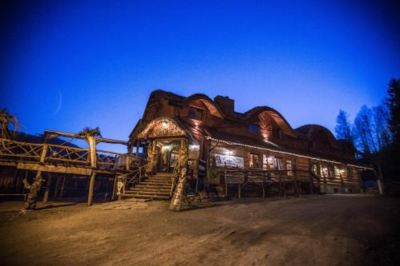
[
  {"x": 392, "y": 162},
  {"x": 343, "y": 127},
  {"x": 393, "y": 103}
]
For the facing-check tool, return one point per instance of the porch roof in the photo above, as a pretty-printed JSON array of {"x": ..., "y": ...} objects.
[{"x": 236, "y": 140}]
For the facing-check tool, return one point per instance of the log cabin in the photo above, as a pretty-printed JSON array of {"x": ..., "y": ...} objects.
[{"x": 226, "y": 148}]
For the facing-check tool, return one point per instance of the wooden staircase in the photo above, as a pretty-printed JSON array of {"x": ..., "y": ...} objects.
[{"x": 155, "y": 187}]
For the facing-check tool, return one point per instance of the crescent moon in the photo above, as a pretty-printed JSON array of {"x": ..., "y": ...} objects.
[{"x": 59, "y": 105}]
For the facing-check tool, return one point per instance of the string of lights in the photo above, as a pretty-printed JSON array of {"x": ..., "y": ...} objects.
[{"x": 285, "y": 152}]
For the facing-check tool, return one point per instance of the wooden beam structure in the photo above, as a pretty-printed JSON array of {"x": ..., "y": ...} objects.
[{"x": 63, "y": 159}]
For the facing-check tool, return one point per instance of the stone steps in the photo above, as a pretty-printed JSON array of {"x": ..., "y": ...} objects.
[
  {"x": 158, "y": 193},
  {"x": 149, "y": 190},
  {"x": 146, "y": 197},
  {"x": 156, "y": 187}
]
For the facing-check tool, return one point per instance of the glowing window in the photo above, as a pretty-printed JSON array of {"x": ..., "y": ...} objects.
[{"x": 254, "y": 160}]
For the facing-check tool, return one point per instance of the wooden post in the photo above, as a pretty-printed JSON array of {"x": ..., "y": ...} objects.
[
  {"x": 342, "y": 183},
  {"x": 129, "y": 156},
  {"x": 34, "y": 188},
  {"x": 226, "y": 183},
  {"x": 263, "y": 189},
  {"x": 91, "y": 188},
  {"x": 296, "y": 187},
  {"x": 92, "y": 150},
  {"x": 46, "y": 193},
  {"x": 379, "y": 175},
  {"x": 137, "y": 149},
  {"x": 62, "y": 187},
  {"x": 57, "y": 186},
  {"x": 239, "y": 191},
  {"x": 114, "y": 191},
  {"x": 311, "y": 184}
]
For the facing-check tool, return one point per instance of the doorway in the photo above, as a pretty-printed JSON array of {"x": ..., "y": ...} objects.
[{"x": 167, "y": 154}]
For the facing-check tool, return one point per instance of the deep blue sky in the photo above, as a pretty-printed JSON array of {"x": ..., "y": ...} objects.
[{"x": 70, "y": 64}]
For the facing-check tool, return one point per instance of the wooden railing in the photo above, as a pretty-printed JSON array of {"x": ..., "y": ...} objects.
[
  {"x": 241, "y": 177},
  {"x": 135, "y": 176},
  {"x": 11, "y": 150},
  {"x": 71, "y": 155}
]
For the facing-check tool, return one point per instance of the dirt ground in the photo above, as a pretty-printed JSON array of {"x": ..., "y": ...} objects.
[{"x": 312, "y": 230}]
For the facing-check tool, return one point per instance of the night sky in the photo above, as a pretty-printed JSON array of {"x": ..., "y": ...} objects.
[{"x": 70, "y": 64}]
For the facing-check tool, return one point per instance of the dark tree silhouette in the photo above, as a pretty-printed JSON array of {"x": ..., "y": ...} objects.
[
  {"x": 382, "y": 134},
  {"x": 343, "y": 127},
  {"x": 393, "y": 154},
  {"x": 363, "y": 131},
  {"x": 393, "y": 103}
]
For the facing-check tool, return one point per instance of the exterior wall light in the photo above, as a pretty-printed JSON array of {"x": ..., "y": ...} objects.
[
  {"x": 165, "y": 124},
  {"x": 194, "y": 147}
]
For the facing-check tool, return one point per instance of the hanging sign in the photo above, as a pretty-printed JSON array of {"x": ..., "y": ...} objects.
[{"x": 222, "y": 160}]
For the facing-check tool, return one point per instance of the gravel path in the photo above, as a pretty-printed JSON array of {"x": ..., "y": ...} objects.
[{"x": 314, "y": 230}]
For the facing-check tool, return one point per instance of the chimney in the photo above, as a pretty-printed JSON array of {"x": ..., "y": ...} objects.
[{"x": 225, "y": 103}]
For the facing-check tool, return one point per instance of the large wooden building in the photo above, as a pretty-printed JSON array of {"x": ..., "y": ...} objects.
[{"x": 258, "y": 143}]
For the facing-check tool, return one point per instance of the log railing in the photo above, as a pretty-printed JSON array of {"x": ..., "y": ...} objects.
[
  {"x": 71, "y": 155},
  {"x": 136, "y": 176},
  {"x": 17, "y": 151},
  {"x": 10, "y": 149}
]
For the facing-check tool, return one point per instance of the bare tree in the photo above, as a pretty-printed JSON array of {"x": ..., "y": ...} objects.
[
  {"x": 382, "y": 134},
  {"x": 8, "y": 121},
  {"x": 363, "y": 131}
]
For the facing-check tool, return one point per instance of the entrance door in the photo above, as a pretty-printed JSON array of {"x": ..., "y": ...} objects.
[{"x": 167, "y": 155}]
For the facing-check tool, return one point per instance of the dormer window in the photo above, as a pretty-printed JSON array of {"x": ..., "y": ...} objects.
[
  {"x": 196, "y": 113},
  {"x": 277, "y": 133},
  {"x": 253, "y": 128}
]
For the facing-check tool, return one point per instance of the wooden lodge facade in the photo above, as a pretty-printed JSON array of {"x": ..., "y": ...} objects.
[{"x": 231, "y": 151}]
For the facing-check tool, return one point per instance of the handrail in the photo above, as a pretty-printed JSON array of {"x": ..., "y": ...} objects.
[
  {"x": 241, "y": 177},
  {"x": 54, "y": 153},
  {"x": 137, "y": 173},
  {"x": 261, "y": 175}
]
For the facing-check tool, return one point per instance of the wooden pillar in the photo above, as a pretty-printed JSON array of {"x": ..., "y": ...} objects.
[
  {"x": 48, "y": 186},
  {"x": 296, "y": 187},
  {"x": 263, "y": 189},
  {"x": 62, "y": 187},
  {"x": 239, "y": 191},
  {"x": 34, "y": 188},
  {"x": 92, "y": 150},
  {"x": 342, "y": 183},
  {"x": 57, "y": 186},
  {"x": 311, "y": 184},
  {"x": 137, "y": 149},
  {"x": 91, "y": 188},
  {"x": 114, "y": 191},
  {"x": 226, "y": 183}
]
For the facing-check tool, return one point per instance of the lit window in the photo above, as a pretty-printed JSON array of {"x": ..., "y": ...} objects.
[
  {"x": 314, "y": 169},
  {"x": 324, "y": 172},
  {"x": 289, "y": 167},
  {"x": 254, "y": 161}
]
